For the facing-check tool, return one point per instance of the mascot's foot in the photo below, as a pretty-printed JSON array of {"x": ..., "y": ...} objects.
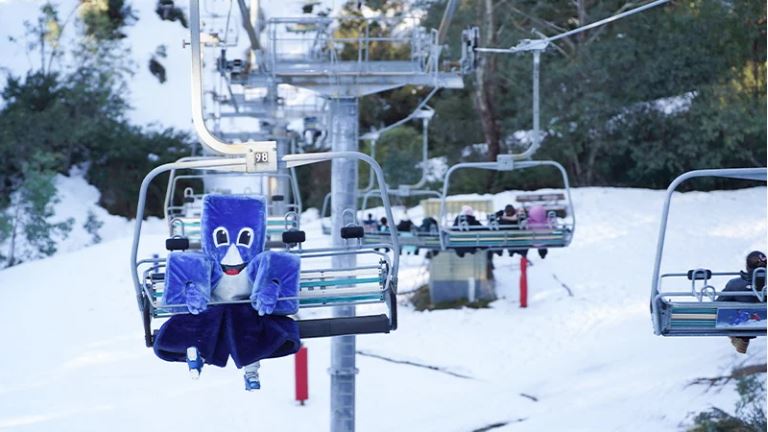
[
  {"x": 194, "y": 362},
  {"x": 252, "y": 381},
  {"x": 251, "y": 376}
]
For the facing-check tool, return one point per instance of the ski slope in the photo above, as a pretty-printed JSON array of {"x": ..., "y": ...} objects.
[{"x": 74, "y": 357}]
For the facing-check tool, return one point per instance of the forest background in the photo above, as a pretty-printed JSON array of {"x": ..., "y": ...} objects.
[{"x": 631, "y": 104}]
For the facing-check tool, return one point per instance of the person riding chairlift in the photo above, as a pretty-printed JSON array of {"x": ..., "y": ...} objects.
[
  {"x": 466, "y": 217},
  {"x": 370, "y": 225},
  {"x": 508, "y": 219},
  {"x": 754, "y": 261},
  {"x": 463, "y": 221},
  {"x": 538, "y": 220}
]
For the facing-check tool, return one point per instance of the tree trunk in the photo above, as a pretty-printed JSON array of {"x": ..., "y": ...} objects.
[
  {"x": 485, "y": 75},
  {"x": 12, "y": 246}
]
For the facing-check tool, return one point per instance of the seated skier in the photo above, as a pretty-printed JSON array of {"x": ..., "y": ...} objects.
[
  {"x": 370, "y": 225},
  {"x": 232, "y": 269},
  {"x": 755, "y": 260},
  {"x": 538, "y": 220},
  {"x": 383, "y": 224},
  {"x": 428, "y": 225},
  {"x": 466, "y": 218},
  {"x": 405, "y": 225},
  {"x": 464, "y": 222},
  {"x": 510, "y": 219}
]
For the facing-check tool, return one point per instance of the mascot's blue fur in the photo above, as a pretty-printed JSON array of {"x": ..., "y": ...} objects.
[{"x": 233, "y": 231}]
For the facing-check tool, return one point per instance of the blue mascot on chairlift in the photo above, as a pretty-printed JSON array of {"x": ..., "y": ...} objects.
[{"x": 233, "y": 297}]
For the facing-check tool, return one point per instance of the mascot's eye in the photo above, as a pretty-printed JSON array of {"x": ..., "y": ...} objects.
[
  {"x": 245, "y": 237},
  {"x": 220, "y": 237}
]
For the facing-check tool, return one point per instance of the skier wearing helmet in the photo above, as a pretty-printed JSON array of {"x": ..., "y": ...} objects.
[{"x": 754, "y": 261}]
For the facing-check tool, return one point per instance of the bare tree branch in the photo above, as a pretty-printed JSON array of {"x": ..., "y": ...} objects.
[{"x": 725, "y": 379}]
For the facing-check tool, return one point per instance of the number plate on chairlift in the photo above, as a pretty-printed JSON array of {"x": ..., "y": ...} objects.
[
  {"x": 262, "y": 156},
  {"x": 741, "y": 318}
]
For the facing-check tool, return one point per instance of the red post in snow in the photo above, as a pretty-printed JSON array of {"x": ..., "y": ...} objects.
[
  {"x": 302, "y": 378},
  {"x": 523, "y": 282}
]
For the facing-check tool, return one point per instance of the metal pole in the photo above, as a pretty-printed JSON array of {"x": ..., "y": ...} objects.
[
  {"x": 536, "y": 125},
  {"x": 344, "y": 137},
  {"x": 283, "y": 181}
]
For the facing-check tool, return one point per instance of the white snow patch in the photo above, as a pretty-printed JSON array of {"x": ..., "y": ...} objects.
[{"x": 78, "y": 360}]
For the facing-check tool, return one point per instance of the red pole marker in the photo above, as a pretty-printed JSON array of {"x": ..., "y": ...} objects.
[
  {"x": 523, "y": 282},
  {"x": 302, "y": 378}
]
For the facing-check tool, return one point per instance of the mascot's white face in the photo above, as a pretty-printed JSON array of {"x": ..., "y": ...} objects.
[{"x": 236, "y": 254}]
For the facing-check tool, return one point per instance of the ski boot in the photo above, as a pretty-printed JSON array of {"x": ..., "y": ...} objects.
[
  {"x": 194, "y": 362},
  {"x": 251, "y": 377}
]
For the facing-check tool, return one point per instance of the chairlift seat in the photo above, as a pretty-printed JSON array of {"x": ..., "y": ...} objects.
[
  {"x": 318, "y": 288},
  {"x": 510, "y": 238},
  {"x": 710, "y": 318},
  {"x": 702, "y": 310}
]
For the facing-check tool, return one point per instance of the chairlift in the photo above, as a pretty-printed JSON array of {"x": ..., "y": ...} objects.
[
  {"x": 373, "y": 281},
  {"x": 426, "y": 236},
  {"x": 557, "y": 232},
  {"x": 691, "y": 303}
]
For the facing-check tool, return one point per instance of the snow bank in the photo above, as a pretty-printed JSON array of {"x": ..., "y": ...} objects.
[{"x": 75, "y": 358}]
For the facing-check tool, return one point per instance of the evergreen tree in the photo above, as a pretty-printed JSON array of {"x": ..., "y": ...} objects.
[
  {"x": 76, "y": 116},
  {"x": 31, "y": 234}
]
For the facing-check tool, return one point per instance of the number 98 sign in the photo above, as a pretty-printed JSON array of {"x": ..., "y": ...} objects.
[{"x": 261, "y": 157}]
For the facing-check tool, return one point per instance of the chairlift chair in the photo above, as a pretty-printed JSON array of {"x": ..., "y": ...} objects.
[
  {"x": 558, "y": 233},
  {"x": 414, "y": 239},
  {"x": 696, "y": 306},
  {"x": 373, "y": 281}
]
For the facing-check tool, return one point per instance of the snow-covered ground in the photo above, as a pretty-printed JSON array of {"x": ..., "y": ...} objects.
[{"x": 74, "y": 357}]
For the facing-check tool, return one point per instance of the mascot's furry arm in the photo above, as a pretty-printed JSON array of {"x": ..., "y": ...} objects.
[
  {"x": 188, "y": 277},
  {"x": 275, "y": 275}
]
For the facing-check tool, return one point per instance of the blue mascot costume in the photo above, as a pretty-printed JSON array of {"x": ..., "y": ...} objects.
[{"x": 232, "y": 267}]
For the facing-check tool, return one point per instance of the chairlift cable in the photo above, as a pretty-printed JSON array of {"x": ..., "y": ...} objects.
[{"x": 542, "y": 43}]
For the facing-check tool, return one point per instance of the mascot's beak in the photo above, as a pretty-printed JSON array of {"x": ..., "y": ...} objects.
[{"x": 232, "y": 263}]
